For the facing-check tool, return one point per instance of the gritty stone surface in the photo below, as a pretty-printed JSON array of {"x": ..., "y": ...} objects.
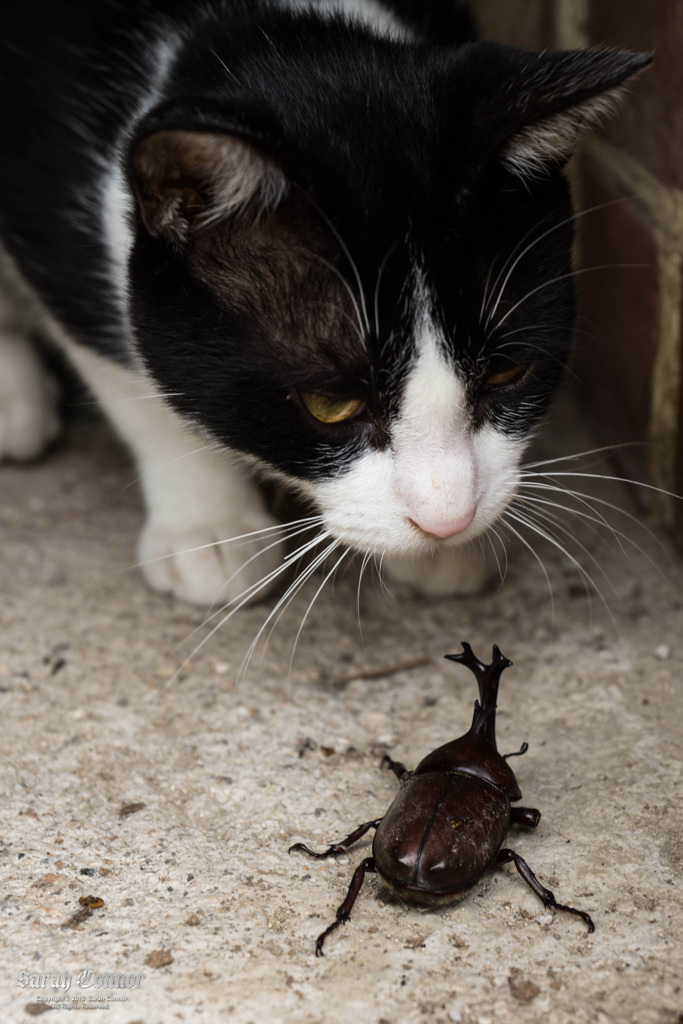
[{"x": 173, "y": 797}]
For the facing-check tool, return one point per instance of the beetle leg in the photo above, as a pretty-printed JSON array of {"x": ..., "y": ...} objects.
[
  {"x": 344, "y": 911},
  {"x": 528, "y": 816},
  {"x": 545, "y": 895},
  {"x": 335, "y": 849},
  {"x": 396, "y": 767},
  {"x": 517, "y": 753}
]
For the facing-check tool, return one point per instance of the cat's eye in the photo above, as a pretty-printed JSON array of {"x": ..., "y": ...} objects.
[
  {"x": 508, "y": 376},
  {"x": 330, "y": 410}
]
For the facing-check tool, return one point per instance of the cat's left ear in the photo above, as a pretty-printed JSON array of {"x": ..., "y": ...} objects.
[
  {"x": 189, "y": 180},
  {"x": 563, "y": 94}
]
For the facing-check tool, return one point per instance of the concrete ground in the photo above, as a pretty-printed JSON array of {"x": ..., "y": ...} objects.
[{"x": 174, "y": 800}]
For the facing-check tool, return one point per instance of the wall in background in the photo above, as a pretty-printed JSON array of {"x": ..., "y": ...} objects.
[{"x": 630, "y": 178}]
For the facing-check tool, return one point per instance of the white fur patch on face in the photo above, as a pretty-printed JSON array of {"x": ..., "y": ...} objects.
[
  {"x": 436, "y": 475},
  {"x": 441, "y": 480}
]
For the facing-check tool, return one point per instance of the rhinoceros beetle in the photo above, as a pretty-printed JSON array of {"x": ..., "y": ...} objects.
[{"x": 447, "y": 824}]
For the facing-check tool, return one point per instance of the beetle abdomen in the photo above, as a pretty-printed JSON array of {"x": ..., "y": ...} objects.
[{"x": 439, "y": 835}]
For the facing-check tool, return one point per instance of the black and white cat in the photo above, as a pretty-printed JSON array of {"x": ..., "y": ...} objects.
[{"x": 326, "y": 241}]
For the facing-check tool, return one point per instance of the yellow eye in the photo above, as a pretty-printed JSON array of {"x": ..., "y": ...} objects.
[
  {"x": 330, "y": 410},
  {"x": 504, "y": 377}
]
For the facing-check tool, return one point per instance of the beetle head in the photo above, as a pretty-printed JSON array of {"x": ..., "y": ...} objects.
[
  {"x": 476, "y": 752},
  {"x": 473, "y": 754}
]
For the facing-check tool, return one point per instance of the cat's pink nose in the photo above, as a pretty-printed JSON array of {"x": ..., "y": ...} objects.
[{"x": 442, "y": 529}]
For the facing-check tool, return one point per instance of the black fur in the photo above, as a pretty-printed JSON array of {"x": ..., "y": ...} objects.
[{"x": 399, "y": 146}]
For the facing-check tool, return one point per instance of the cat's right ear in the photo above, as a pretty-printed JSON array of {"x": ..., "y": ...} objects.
[
  {"x": 189, "y": 180},
  {"x": 558, "y": 96}
]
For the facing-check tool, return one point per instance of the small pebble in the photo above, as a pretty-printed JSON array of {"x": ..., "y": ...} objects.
[
  {"x": 159, "y": 958},
  {"x": 662, "y": 652}
]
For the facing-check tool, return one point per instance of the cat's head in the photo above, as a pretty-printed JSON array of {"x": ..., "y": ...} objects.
[{"x": 353, "y": 264}]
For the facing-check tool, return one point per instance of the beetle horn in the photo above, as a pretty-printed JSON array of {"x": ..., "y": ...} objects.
[
  {"x": 469, "y": 658},
  {"x": 480, "y": 720},
  {"x": 488, "y": 680}
]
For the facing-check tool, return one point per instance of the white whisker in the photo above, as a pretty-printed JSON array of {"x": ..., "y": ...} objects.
[
  {"x": 582, "y": 455},
  {"x": 564, "y": 277},
  {"x": 506, "y": 265},
  {"x": 297, "y": 585},
  {"x": 536, "y": 518},
  {"x": 527, "y": 329},
  {"x": 596, "y": 518},
  {"x": 287, "y": 561},
  {"x": 538, "y": 558},
  {"x": 485, "y": 298},
  {"x": 262, "y": 551},
  {"x": 225, "y": 66},
  {"x": 587, "y": 499},
  {"x": 502, "y": 572},
  {"x": 582, "y": 571},
  {"x": 312, "y": 602},
  {"x": 620, "y": 480},
  {"x": 238, "y": 602},
  {"x": 338, "y": 274},
  {"x": 380, "y": 272},
  {"x": 385, "y": 590},
  {"x": 342, "y": 312},
  {"x": 156, "y": 395},
  {"x": 153, "y": 394},
  {"x": 243, "y": 537},
  {"x": 539, "y": 238},
  {"x": 366, "y": 558},
  {"x": 352, "y": 263},
  {"x": 283, "y": 604},
  {"x": 537, "y": 348},
  {"x": 171, "y": 462}
]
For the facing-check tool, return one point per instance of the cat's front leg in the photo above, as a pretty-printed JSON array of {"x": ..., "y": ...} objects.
[
  {"x": 201, "y": 506},
  {"x": 29, "y": 419},
  {"x": 29, "y": 396},
  {"x": 208, "y": 538}
]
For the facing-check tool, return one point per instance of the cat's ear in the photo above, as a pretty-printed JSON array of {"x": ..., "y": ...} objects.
[
  {"x": 188, "y": 180},
  {"x": 564, "y": 94}
]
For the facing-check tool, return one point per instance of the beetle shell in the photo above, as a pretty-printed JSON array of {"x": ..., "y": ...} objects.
[
  {"x": 438, "y": 862},
  {"x": 472, "y": 755}
]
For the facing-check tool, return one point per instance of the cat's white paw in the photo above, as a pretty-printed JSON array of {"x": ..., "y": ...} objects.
[
  {"x": 28, "y": 401},
  {"x": 450, "y": 572},
  {"x": 191, "y": 565}
]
